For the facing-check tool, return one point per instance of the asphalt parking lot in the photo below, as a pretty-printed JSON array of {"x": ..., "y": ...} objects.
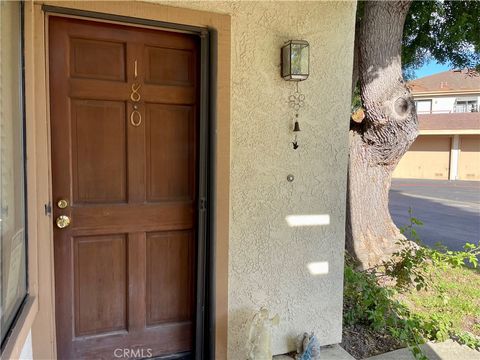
[{"x": 450, "y": 210}]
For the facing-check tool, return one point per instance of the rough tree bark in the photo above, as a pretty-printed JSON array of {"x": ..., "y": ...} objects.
[{"x": 377, "y": 143}]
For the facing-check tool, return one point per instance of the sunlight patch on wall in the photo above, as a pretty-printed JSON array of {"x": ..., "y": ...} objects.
[
  {"x": 307, "y": 220},
  {"x": 318, "y": 268}
]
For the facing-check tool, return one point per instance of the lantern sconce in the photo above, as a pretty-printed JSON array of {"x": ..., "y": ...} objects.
[
  {"x": 295, "y": 67},
  {"x": 295, "y": 60}
]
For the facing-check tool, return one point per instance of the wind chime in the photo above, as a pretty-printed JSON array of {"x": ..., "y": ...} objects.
[{"x": 296, "y": 101}]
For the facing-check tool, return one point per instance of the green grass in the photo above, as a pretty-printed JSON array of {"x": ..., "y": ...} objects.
[{"x": 456, "y": 299}]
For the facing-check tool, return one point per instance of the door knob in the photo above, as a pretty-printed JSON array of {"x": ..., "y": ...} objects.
[{"x": 63, "y": 221}]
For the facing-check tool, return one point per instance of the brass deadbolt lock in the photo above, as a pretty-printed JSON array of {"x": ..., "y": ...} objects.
[{"x": 62, "y": 203}]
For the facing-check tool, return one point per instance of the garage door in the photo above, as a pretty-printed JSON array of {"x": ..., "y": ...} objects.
[
  {"x": 469, "y": 161},
  {"x": 427, "y": 158}
]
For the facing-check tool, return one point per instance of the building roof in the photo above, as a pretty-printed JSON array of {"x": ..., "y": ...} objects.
[
  {"x": 451, "y": 121},
  {"x": 451, "y": 80}
]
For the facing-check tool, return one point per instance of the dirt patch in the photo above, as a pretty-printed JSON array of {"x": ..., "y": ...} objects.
[
  {"x": 361, "y": 342},
  {"x": 472, "y": 324}
]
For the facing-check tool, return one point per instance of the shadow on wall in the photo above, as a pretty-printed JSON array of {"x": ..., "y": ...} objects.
[
  {"x": 243, "y": 316},
  {"x": 452, "y": 224}
]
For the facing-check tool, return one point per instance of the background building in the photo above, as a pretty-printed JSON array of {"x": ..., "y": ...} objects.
[{"x": 448, "y": 146}]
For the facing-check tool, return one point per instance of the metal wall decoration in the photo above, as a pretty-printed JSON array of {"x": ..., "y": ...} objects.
[
  {"x": 295, "y": 66},
  {"x": 296, "y": 101},
  {"x": 135, "y": 116}
]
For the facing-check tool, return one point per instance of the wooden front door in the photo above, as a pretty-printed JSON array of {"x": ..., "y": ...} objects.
[{"x": 124, "y": 133}]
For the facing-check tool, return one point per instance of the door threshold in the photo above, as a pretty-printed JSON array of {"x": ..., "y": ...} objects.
[{"x": 179, "y": 356}]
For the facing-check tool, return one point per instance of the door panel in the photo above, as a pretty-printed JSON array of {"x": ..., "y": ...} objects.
[
  {"x": 170, "y": 155},
  {"x": 100, "y": 273},
  {"x": 97, "y": 59},
  {"x": 163, "y": 65},
  {"x": 99, "y": 151},
  {"x": 169, "y": 282},
  {"x": 469, "y": 160},
  {"x": 125, "y": 267},
  {"x": 427, "y": 158}
]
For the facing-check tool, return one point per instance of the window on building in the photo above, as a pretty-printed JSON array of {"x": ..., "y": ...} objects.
[
  {"x": 423, "y": 106},
  {"x": 13, "y": 272},
  {"x": 466, "y": 106}
]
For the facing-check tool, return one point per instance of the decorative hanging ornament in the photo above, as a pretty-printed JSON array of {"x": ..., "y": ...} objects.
[
  {"x": 296, "y": 101},
  {"x": 296, "y": 126}
]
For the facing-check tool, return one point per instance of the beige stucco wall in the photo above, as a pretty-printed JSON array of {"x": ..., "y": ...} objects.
[{"x": 268, "y": 258}]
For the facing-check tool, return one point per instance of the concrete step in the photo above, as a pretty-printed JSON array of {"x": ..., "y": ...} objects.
[
  {"x": 447, "y": 350},
  {"x": 330, "y": 352}
]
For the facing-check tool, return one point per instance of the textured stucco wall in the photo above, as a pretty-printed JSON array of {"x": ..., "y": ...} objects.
[{"x": 268, "y": 258}]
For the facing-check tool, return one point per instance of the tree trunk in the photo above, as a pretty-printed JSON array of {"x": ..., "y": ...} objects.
[{"x": 377, "y": 144}]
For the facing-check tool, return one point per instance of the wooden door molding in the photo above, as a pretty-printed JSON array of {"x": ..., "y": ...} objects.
[{"x": 107, "y": 172}]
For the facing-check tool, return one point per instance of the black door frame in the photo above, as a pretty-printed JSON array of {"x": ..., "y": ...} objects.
[{"x": 204, "y": 341}]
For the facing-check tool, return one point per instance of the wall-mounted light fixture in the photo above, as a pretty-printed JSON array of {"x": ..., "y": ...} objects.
[
  {"x": 296, "y": 67},
  {"x": 295, "y": 60}
]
